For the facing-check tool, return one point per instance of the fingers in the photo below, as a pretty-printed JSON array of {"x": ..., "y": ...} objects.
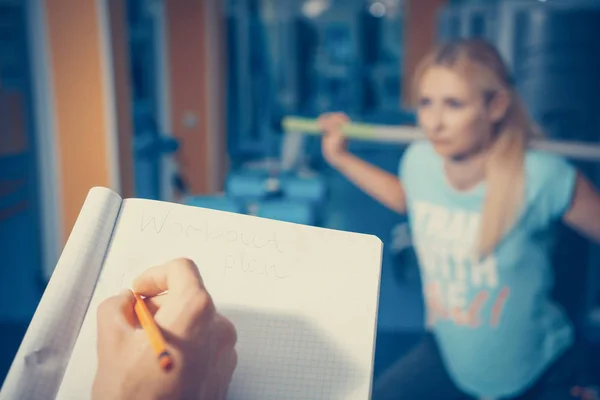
[
  {"x": 226, "y": 368},
  {"x": 187, "y": 306},
  {"x": 332, "y": 121},
  {"x": 156, "y": 302},
  {"x": 226, "y": 355},
  {"x": 188, "y": 313},
  {"x": 225, "y": 333},
  {"x": 116, "y": 318},
  {"x": 117, "y": 311},
  {"x": 177, "y": 276}
]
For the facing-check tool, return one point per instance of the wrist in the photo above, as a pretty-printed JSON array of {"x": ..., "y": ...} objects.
[
  {"x": 125, "y": 385},
  {"x": 341, "y": 160}
]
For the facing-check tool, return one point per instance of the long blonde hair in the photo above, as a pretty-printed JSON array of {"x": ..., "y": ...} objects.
[{"x": 505, "y": 181}]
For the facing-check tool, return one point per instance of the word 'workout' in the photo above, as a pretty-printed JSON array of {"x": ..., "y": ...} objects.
[{"x": 208, "y": 233}]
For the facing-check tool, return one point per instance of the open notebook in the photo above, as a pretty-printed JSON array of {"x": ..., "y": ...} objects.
[{"x": 303, "y": 299}]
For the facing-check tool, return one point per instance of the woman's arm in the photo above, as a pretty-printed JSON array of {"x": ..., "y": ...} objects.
[
  {"x": 584, "y": 213},
  {"x": 376, "y": 182}
]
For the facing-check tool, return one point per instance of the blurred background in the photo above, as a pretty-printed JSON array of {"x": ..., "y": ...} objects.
[{"x": 182, "y": 100}]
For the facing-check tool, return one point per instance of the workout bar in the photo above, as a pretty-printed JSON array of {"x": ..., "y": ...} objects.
[{"x": 406, "y": 134}]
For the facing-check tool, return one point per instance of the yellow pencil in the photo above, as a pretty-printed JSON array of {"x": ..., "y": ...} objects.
[{"x": 157, "y": 341}]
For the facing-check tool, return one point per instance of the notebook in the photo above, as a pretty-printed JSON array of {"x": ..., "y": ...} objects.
[{"x": 303, "y": 299}]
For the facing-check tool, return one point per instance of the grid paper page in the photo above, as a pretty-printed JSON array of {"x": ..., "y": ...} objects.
[
  {"x": 41, "y": 360},
  {"x": 285, "y": 358},
  {"x": 303, "y": 299}
]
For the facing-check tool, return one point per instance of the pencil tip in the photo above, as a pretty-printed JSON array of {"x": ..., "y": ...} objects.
[{"x": 166, "y": 362}]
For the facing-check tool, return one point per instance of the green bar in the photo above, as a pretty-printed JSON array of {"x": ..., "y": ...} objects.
[{"x": 310, "y": 126}]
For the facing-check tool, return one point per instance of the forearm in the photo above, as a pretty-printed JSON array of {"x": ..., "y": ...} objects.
[{"x": 376, "y": 182}]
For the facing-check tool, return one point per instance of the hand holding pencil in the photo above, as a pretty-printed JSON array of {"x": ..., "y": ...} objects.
[
  {"x": 155, "y": 336},
  {"x": 164, "y": 340}
]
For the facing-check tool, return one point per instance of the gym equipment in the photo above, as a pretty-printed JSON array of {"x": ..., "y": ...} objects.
[
  {"x": 306, "y": 188},
  {"x": 299, "y": 212},
  {"x": 254, "y": 185},
  {"x": 407, "y": 134},
  {"x": 248, "y": 186},
  {"x": 272, "y": 194},
  {"x": 474, "y": 19},
  {"x": 220, "y": 203},
  {"x": 149, "y": 148},
  {"x": 556, "y": 72}
]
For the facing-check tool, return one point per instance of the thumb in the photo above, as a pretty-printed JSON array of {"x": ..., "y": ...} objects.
[{"x": 116, "y": 318}]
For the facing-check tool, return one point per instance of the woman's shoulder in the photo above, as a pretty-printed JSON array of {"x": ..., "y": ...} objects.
[
  {"x": 544, "y": 165},
  {"x": 416, "y": 157},
  {"x": 550, "y": 181},
  {"x": 418, "y": 151}
]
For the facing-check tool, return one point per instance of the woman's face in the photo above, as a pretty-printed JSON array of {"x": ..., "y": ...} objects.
[{"x": 453, "y": 114}]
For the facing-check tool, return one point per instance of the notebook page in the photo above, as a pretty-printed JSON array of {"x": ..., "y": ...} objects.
[
  {"x": 40, "y": 362},
  {"x": 303, "y": 299}
]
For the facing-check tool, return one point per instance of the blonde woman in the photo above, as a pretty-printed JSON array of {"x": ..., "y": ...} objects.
[{"x": 482, "y": 208}]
